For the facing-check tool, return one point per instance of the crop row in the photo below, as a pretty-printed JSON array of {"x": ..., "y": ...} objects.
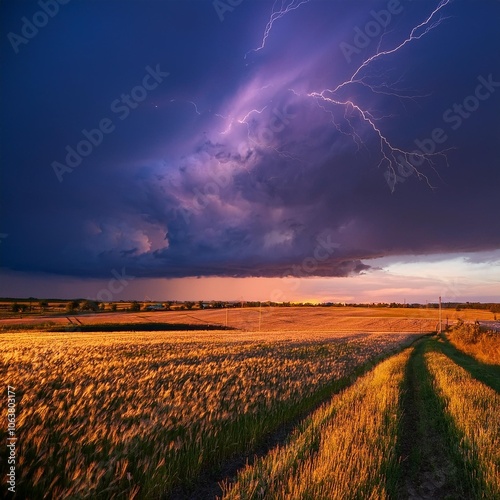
[{"x": 103, "y": 415}]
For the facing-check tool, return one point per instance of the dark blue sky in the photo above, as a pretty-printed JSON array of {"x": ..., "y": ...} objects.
[{"x": 239, "y": 161}]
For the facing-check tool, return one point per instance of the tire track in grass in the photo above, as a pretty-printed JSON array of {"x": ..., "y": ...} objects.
[
  {"x": 487, "y": 374},
  {"x": 346, "y": 449},
  {"x": 208, "y": 485},
  {"x": 431, "y": 465},
  {"x": 473, "y": 406}
]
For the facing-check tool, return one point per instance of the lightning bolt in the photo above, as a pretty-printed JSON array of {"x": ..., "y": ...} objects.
[
  {"x": 391, "y": 156},
  {"x": 241, "y": 120},
  {"x": 425, "y": 26},
  {"x": 245, "y": 118},
  {"x": 195, "y": 107},
  {"x": 189, "y": 102},
  {"x": 352, "y": 113},
  {"x": 282, "y": 153},
  {"x": 277, "y": 12}
]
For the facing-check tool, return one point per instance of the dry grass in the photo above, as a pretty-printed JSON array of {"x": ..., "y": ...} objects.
[
  {"x": 484, "y": 345},
  {"x": 473, "y": 406},
  {"x": 279, "y": 319},
  {"x": 346, "y": 450},
  {"x": 142, "y": 413}
]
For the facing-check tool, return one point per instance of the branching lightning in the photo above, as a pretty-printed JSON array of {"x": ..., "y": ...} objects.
[
  {"x": 245, "y": 118},
  {"x": 189, "y": 102},
  {"x": 347, "y": 113},
  {"x": 411, "y": 37},
  {"x": 391, "y": 156},
  {"x": 280, "y": 9}
]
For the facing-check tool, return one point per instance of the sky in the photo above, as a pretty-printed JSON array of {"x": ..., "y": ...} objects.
[{"x": 321, "y": 150}]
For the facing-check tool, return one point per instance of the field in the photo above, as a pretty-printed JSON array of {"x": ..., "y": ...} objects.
[
  {"x": 279, "y": 319},
  {"x": 317, "y": 403}
]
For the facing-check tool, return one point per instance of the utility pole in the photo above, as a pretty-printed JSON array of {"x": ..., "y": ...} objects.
[
  {"x": 440, "y": 316},
  {"x": 260, "y": 315}
]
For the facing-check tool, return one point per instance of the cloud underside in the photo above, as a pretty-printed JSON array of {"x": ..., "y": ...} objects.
[{"x": 250, "y": 173}]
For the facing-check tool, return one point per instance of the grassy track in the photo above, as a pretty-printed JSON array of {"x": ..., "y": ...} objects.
[
  {"x": 431, "y": 463},
  {"x": 486, "y": 373},
  {"x": 474, "y": 408},
  {"x": 139, "y": 413},
  {"x": 344, "y": 450},
  {"x": 417, "y": 426}
]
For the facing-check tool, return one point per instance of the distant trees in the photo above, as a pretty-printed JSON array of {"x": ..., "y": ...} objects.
[
  {"x": 135, "y": 306},
  {"x": 18, "y": 307},
  {"x": 90, "y": 305},
  {"x": 114, "y": 307},
  {"x": 43, "y": 304},
  {"x": 72, "y": 305}
]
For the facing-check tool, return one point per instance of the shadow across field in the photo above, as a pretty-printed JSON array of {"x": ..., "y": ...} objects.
[
  {"x": 137, "y": 327},
  {"x": 487, "y": 374},
  {"x": 278, "y": 433},
  {"x": 431, "y": 463}
]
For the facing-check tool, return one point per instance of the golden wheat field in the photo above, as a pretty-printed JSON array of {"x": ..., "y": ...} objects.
[
  {"x": 321, "y": 404},
  {"x": 133, "y": 413},
  {"x": 473, "y": 407},
  {"x": 278, "y": 319},
  {"x": 345, "y": 449},
  {"x": 481, "y": 344}
]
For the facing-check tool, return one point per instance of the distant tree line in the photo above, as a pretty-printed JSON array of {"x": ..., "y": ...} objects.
[{"x": 80, "y": 305}]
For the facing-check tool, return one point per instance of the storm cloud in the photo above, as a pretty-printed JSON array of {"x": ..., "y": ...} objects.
[{"x": 240, "y": 162}]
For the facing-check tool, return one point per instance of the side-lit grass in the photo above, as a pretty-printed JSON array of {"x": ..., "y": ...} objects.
[
  {"x": 144, "y": 413},
  {"x": 484, "y": 345},
  {"x": 474, "y": 408},
  {"x": 346, "y": 449}
]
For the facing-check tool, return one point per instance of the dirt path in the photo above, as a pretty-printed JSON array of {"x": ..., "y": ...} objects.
[
  {"x": 208, "y": 485},
  {"x": 430, "y": 465}
]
